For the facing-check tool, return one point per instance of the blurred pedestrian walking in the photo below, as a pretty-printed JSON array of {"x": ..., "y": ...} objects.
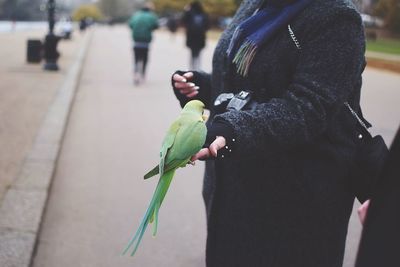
[
  {"x": 172, "y": 24},
  {"x": 66, "y": 28},
  {"x": 196, "y": 22},
  {"x": 142, "y": 24},
  {"x": 13, "y": 25},
  {"x": 83, "y": 24}
]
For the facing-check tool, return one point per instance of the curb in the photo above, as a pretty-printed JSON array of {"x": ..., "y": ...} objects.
[
  {"x": 382, "y": 64},
  {"x": 24, "y": 203},
  {"x": 383, "y": 61}
]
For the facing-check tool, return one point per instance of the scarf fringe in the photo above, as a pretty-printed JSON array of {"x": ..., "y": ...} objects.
[
  {"x": 256, "y": 30},
  {"x": 234, "y": 40},
  {"x": 244, "y": 57}
]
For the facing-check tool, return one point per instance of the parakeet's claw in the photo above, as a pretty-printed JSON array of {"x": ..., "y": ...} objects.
[{"x": 192, "y": 162}]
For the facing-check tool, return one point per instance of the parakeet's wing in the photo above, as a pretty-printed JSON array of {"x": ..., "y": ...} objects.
[
  {"x": 156, "y": 170},
  {"x": 168, "y": 141},
  {"x": 189, "y": 139}
]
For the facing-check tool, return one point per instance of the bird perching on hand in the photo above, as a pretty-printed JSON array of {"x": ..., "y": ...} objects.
[{"x": 185, "y": 137}]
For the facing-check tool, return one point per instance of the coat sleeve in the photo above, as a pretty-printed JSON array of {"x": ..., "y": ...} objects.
[
  {"x": 155, "y": 22},
  {"x": 330, "y": 62},
  {"x": 131, "y": 23}
]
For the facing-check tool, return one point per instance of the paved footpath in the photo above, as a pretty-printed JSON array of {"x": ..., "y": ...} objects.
[
  {"x": 34, "y": 107},
  {"x": 98, "y": 195},
  {"x": 26, "y": 92}
]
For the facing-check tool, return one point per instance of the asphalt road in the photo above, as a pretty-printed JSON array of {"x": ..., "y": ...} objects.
[{"x": 98, "y": 195}]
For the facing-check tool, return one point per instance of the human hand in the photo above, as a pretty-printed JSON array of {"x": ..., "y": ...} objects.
[
  {"x": 211, "y": 151},
  {"x": 362, "y": 211},
  {"x": 184, "y": 85}
]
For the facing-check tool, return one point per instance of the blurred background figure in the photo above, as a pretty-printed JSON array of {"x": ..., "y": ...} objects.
[
  {"x": 83, "y": 23},
  {"x": 172, "y": 25},
  {"x": 66, "y": 28},
  {"x": 196, "y": 22},
  {"x": 142, "y": 24},
  {"x": 13, "y": 25}
]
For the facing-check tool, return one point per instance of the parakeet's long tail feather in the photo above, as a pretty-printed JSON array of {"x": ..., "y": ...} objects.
[
  {"x": 170, "y": 166},
  {"x": 151, "y": 212},
  {"x": 167, "y": 177},
  {"x": 153, "y": 172}
]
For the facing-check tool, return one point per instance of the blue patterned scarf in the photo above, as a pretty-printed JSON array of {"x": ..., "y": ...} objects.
[{"x": 257, "y": 30}]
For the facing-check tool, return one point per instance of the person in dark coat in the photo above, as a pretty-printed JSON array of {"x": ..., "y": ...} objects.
[
  {"x": 195, "y": 21},
  {"x": 380, "y": 236},
  {"x": 172, "y": 24},
  {"x": 276, "y": 184}
]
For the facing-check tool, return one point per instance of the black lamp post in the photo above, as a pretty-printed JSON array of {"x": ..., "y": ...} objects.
[{"x": 50, "y": 44}]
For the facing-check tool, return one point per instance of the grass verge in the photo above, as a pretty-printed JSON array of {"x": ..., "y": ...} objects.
[{"x": 389, "y": 46}]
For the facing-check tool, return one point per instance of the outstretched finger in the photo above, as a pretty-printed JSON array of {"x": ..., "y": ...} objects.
[
  {"x": 202, "y": 154},
  {"x": 218, "y": 143}
]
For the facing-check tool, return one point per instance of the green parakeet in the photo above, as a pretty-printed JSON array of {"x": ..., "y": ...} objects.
[{"x": 185, "y": 137}]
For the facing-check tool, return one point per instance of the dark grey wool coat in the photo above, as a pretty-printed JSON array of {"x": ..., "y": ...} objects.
[{"x": 283, "y": 198}]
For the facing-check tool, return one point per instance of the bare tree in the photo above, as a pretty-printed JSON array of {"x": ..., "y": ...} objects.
[
  {"x": 389, "y": 10},
  {"x": 21, "y": 9},
  {"x": 117, "y": 8}
]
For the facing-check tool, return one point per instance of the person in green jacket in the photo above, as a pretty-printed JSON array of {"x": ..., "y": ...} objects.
[{"x": 142, "y": 23}]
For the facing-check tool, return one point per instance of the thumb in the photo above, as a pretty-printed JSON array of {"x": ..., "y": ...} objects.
[{"x": 218, "y": 143}]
